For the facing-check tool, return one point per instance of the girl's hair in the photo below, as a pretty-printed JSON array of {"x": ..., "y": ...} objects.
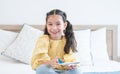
[{"x": 69, "y": 34}]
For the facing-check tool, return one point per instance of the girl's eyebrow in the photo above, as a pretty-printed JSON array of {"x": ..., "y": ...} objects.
[{"x": 49, "y": 22}]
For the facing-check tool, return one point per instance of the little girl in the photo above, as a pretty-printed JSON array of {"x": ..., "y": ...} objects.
[{"x": 58, "y": 42}]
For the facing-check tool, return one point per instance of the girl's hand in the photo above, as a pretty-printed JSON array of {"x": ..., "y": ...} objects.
[
  {"x": 54, "y": 63},
  {"x": 71, "y": 67}
]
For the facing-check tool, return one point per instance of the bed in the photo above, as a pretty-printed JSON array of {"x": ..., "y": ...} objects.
[{"x": 111, "y": 66}]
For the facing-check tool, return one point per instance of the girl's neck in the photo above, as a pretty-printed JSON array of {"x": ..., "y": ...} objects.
[{"x": 56, "y": 38}]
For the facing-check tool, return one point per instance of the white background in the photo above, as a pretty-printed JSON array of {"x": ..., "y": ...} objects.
[{"x": 86, "y": 12}]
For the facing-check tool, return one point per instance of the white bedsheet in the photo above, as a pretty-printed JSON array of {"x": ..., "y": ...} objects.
[
  {"x": 109, "y": 66},
  {"x": 9, "y": 66}
]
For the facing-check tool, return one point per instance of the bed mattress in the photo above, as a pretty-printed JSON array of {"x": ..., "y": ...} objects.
[
  {"x": 109, "y": 67},
  {"x": 10, "y": 66}
]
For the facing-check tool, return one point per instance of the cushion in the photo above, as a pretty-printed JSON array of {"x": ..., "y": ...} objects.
[
  {"x": 21, "y": 49},
  {"x": 83, "y": 47},
  {"x": 6, "y": 38},
  {"x": 99, "y": 46}
]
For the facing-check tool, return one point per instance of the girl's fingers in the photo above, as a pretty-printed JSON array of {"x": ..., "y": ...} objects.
[{"x": 71, "y": 67}]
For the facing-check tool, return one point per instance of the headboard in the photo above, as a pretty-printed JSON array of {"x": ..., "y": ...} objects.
[{"x": 111, "y": 34}]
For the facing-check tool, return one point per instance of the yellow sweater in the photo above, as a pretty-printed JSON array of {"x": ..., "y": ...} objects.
[{"x": 47, "y": 49}]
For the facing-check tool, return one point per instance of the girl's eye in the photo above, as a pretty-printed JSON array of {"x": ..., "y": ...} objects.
[
  {"x": 58, "y": 24},
  {"x": 49, "y": 24}
]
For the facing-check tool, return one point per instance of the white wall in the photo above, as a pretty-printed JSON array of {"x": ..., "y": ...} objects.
[{"x": 78, "y": 11}]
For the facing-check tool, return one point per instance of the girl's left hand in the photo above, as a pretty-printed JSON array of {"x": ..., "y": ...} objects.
[{"x": 71, "y": 67}]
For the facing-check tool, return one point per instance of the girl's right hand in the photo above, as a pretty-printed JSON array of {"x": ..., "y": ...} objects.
[{"x": 54, "y": 63}]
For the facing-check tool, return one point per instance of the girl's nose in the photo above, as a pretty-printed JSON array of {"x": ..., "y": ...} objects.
[{"x": 54, "y": 27}]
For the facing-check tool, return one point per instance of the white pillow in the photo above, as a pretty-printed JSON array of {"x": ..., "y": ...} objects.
[
  {"x": 83, "y": 47},
  {"x": 99, "y": 46},
  {"x": 6, "y": 38},
  {"x": 21, "y": 49}
]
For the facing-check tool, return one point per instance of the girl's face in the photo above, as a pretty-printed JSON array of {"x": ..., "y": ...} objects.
[{"x": 55, "y": 26}]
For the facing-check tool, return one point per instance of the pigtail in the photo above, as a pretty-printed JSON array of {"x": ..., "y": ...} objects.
[{"x": 70, "y": 39}]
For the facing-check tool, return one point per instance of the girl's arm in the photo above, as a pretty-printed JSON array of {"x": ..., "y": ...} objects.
[{"x": 40, "y": 53}]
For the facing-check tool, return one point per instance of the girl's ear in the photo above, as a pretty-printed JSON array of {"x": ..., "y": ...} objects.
[{"x": 65, "y": 25}]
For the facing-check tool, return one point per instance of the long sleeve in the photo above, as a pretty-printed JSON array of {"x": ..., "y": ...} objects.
[{"x": 40, "y": 52}]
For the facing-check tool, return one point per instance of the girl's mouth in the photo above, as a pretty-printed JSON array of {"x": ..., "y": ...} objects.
[{"x": 54, "y": 32}]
